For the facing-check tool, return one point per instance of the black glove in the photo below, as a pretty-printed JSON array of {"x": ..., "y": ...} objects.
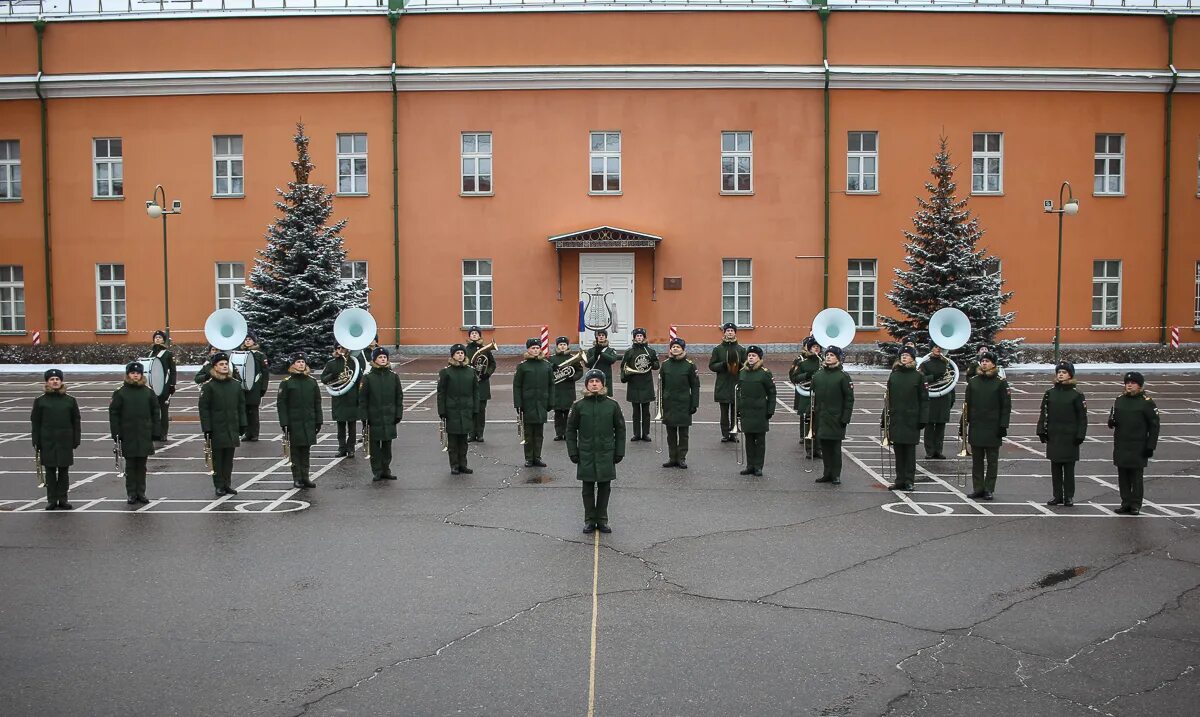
[
  {"x": 1043, "y": 437},
  {"x": 1147, "y": 453},
  {"x": 574, "y": 459},
  {"x": 1079, "y": 441},
  {"x": 1003, "y": 432},
  {"x": 618, "y": 459},
  {"x": 1112, "y": 424},
  {"x": 395, "y": 421},
  {"x": 281, "y": 427},
  {"x": 921, "y": 426},
  {"x": 116, "y": 437},
  {"x": 208, "y": 435},
  {"x": 241, "y": 430},
  {"x": 170, "y": 390},
  {"x": 442, "y": 416},
  {"x": 692, "y": 412},
  {"x": 318, "y": 429}
]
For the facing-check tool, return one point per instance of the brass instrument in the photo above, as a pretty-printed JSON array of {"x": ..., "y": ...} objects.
[
  {"x": 964, "y": 422},
  {"x": 521, "y": 426},
  {"x": 658, "y": 418},
  {"x": 367, "y": 440},
  {"x": 208, "y": 459},
  {"x": 641, "y": 364},
  {"x": 885, "y": 422},
  {"x": 287, "y": 445},
  {"x": 442, "y": 435},
  {"x": 41, "y": 470},
  {"x": 352, "y": 369},
  {"x": 733, "y": 363},
  {"x": 479, "y": 361},
  {"x": 736, "y": 429},
  {"x": 566, "y": 370},
  {"x": 118, "y": 458}
]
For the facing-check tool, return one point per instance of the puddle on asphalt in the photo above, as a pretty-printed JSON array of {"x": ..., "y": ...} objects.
[
  {"x": 1061, "y": 576},
  {"x": 545, "y": 478}
]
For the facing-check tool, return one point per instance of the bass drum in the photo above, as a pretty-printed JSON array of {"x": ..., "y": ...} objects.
[
  {"x": 155, "y": 373},
  {"x": 244, "y": 368}
]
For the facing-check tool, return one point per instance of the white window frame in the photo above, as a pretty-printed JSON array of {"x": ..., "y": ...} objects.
[
  {"x": 737, "y": 161},
  {"x": 353, "y": 157},
  {"x": 607, "y": 159},
  {"x": 987, "y": 162},
  {"x": 231, "y": 285},
  {"x": 861, "y": 157},
  {"x": 856, "y": 283},
  {"x": 10, "y": 170},
  {"x": 229, "y": 164},
  {"x": 737, "y": 282},
  {"x": 475, "y": 164},
  {"x": 12, "y": 299},
  {"x": 473, "y": 278},
  {"x": 353, "y": 270},
  {"x": 1102, "y": 176},
  {"x": 114, "y": 168},
  {"x": 1106, "y": 287},
  {"x": 112, "y": 284}
]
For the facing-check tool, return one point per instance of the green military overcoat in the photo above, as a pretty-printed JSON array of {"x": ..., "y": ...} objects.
[
  {"x": 533, "y": 384},
  {"x": 803, "y": 368},
  {"x": 907, "y": 405},
  {"x": 56, "y": 427},
  {"x": 345, "y": 406},
  {"x": 223, "y": 410},
  {"x": 833, "y": 391},
  {"x": 756, "y": 398},
  {"x": 132, "y": 415},
  {"x": 458, "y": 397},
  {"x": 485, "y": 380},
  {"x": 988, "y": 404},
  {"x": 934, "y": 368},
  {"x": 262, "y": 376},
  {"x": 1136, "y": 421},
  {"x": 680, "y": 384},
  {"x": 381, "y": 402},
  {"x": 596, "y": 437},
  {"x": 299, "y": 404},
  {"x": 604, "y": 361},
  {"x": 722, "y": 355},
  {"x": 564, "y": 391},
  {"x": 639, "y": 386},
  {"x": 1062, "y": 421}
]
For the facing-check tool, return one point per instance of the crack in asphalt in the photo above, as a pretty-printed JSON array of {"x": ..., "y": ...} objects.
[
  {"x": 735, "y": 531},
  {"x": 1186, "y": 671}
]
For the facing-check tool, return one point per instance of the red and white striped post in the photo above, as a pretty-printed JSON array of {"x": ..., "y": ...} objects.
[
  {"x": 545, "y": 340},
  {"x": 37, "y": 337},
  {"x": 1174, "y": 337},
  {"x": 673, "y": 333}
]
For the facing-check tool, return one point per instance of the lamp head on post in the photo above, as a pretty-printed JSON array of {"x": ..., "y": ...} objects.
[{"x": 155, "y": 208}]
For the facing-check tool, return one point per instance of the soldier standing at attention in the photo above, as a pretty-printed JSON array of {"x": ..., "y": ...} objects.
[
  {"x": 639, "y": 385},
  {"x": 160, "y": 351},
  {"x": 595, "y": 444},
  {"x": 1062, "y": 426},
  {"x": 973, "y": 369},
  {"x": 223, "y": 420},
  {"x": 204, "y": 373},
  {"x": 988, "y": 404},
  {"x": 602, "y": 356},
  {"x": 258, "y": 389},
  {"x": 801, "y": 372},
  {"x": 457, "y": 396},
  {"x": 345, "y": 406},
  {"x": 533, "y": 384},
  {"x": 755, "y": 405},
  {"x": 564, "y": 390},
  {"x": 57, "y": 431},
  {"x": 907, "y": 411},
  {"x": 1134, "y": 418},
  {"x": 934, "y": 369},
  {"x": 474, "y": 344},
  {"x": 381, "y": 403},
  {"x": 726, "y": 360},
  {"x": 680, "y": 386},
  {"x": 833, "y": 397},
  {"x": 132, "y": 417},
  {"x": 300, "y": 414}
]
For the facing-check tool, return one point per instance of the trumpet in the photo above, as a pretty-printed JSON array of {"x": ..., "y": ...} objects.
[
  {"x": 208, "y": 459},
  {"x": 479, "y": 361},
  {"x": 963, "y": 423},
  {"x": 442, "y": 435},
  {"x": 658, "y": 418},
  {"x": 736, "y": 429},
  {"x": 885, "y": 422},
  {"x": 521, "y": 426},
  {"x": 287, "y": 445},
  {"x": 367, "y": 440},
  {"x": 566, "y": 369},
  {"x": 118, "y": 458},
  {"x": 41, "y": 470}
]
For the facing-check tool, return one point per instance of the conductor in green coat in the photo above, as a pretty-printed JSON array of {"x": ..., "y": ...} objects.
[
  {"x": 300, "y": 417},
  {"x": 457, "y": 397},
  {"x": 344, "y": 406},
  {"x": 132, "y": 418},
  {"x": 1062, "y": 426},
  {"x": 595, "y": 444},
  {"x": 565, "y": 379},
  {"x": 637, "y": 373},
  {"x": 906, "y": 411},
  {"x": 381, "y": 404},
  {"x": 223, "y": 420},
  {"x": 602, "y": 356},
  {"x": 755, "y": 405},
  {"x": 988, "y": 405},
  {"x": 161, "y": 351},
  {"x": 533, "y": 384},
  {"x": 258, "y": 389},
  {"x": 935, "y": 368},
  {"x": 833, "y": 396},
  {"x": 57, "y": 432},
  {"x": 679, "y": 386},
  {"x": 800, "y": 374},
  {"x": 1135, "y": 423}
]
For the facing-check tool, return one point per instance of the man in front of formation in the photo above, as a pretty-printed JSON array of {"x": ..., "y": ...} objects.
[{"x": 381, "y": 405}]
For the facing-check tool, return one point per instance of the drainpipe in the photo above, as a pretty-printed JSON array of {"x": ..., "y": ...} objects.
[
  {"x": 1166, "y": 219},
  {"x": 823, "y": 13},
  {"x": 39, "y": 26},
  {"x": 395, "y": 8}
]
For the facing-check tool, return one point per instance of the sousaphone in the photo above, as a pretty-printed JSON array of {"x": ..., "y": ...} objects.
[
  {"x": 353, "y": 329},
  {"x": 949, "y": 328},
  {"x": 830, "y": 327},
  {"x": 226, "y": 329}
]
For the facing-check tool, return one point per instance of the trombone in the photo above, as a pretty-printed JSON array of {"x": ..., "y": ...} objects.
[
  {"x": 367, "y": 440},
  {"x": 885, "y": 432},
  {"x": 964, "y": 423},
  {"x": 41, "y": 470},
  {"x": 521, "y": 425},
  {"x": 118, "y": 458},
  {"x": 737, "y": 428},
  {"x": 287, "y": 446},
  {"x": 442, "y": 435},
  {"x": 658, "y": 418}
]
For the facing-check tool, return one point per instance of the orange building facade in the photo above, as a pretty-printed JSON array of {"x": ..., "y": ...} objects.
[{"x": 674, "y": 160}]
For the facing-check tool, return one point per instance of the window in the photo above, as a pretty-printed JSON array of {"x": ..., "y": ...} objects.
[
  {"x": 860, "y": 292},
  {"x": 12, "y": 299},
  {"x": 1110, "y": 164},
  {"x": 10, "y": 169},
  {"x": 352, "y": 163},
  {"x": 354, "y": 270},
  {"x": 987, "y": 163},
  {"x": 1106, "y": 294},
  {"x": 477, "y": 292},
  {"x": 1196, "y": 320},
  {"x": 736, "y": 162},
  {"x": 228, "y": 166},
  {"x": 476, "y": 162},
  {"x": 862, "y": 159},
  {"x": 606, "y": 162},
  {"x": 736, "y": 279},
  {"x": 110, "y": 298},
  {"x": 231, "y": 282},
  {"x": 107, "y": 168}
]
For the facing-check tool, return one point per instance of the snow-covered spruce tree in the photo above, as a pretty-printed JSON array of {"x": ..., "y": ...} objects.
[
  {"x": 295, "y": 290},
  {"x": 946, "y": 268}
]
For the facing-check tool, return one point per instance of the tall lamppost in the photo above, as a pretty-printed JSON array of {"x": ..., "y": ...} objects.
[
  {"x": 1070, "y": 206},
  {"x": 156, "y": 209}
]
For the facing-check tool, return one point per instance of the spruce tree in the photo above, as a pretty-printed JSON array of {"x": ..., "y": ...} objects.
[
  {"x": 295, "y": 290},
  {"x": 947, "y": 268}
]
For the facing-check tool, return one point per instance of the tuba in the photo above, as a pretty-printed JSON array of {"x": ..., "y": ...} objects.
[
  {"x": 566, "y": 370},
  {"x": 950, "y": 329},
  {"x": 226, "y": 330},
  {"x": 480, "y": 360},
  {"x": 353, "y": 329},
  {"x": 833, "y": 327}
]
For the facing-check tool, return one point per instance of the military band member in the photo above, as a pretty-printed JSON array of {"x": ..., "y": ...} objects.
[
  {"x": 57, "y": 431},
  {"x": 298, "y": 402},
  {"x": 934, "y": 369},
  {"x": 973, "y": 369},
  {"x": 639, "y": 386},
  {"x": 727, "y": 359},
  {"x": 680, "y": 386},
  {"x": 223, "y": 420},
  {"x": 344, "y": 407},
  {"x": 160, "y": 350},
  {"x": 801, "y": 372},
  {"x": 907, "y": 412},
  {"x": 457, "y": 395},
  {"x": 479, "y": 420},
  {"x": 132, "y": 417},
  {"x": 533, "y": 384},
  {"x": 1135, "y": 420},
  {"x": 564, "y": 390},
  {"x": 381, "y": 405},
  {"x": 755, "y": 405},
  {"x": 988, "y": 405},
  {"x": 602, "y": 356},
  {"x": 204, "y": 373},
  {"x": 258, "y": 389},
  {"x": 1062, "y": 426},
  {"x": 365, "y": 358},
  {"x": 833, "y": 394},
  {"x": 595, "y": 444}
]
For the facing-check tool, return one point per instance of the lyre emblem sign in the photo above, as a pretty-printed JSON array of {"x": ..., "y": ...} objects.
[{"x": 597, "y": 314}]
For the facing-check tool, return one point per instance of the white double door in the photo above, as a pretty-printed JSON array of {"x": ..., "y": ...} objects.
[{"x": 611, "y": 276}]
